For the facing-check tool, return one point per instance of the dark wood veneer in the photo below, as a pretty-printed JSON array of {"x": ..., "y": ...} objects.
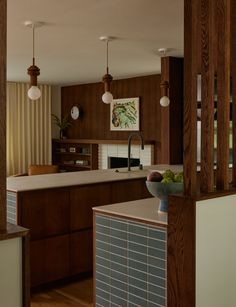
[{"x": 181, "y": 252}]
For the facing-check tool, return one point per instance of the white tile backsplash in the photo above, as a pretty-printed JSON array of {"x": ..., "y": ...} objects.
[{"x": 146, "y": 156}]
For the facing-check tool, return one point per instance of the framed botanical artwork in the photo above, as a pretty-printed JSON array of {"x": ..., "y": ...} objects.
[{"x": 124, "y": 114}]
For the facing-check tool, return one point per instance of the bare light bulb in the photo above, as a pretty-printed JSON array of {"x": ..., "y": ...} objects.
[
  {"x": 107, "y": 97},
  {"x": 34, "y": 93},
  {"x": 164, "y": 101}
]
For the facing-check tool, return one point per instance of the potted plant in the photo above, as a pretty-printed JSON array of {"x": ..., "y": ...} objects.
[{"x": 63, "y": 124}]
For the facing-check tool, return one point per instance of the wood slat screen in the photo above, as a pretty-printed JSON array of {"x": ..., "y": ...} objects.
[{"x": 207, "y": 53}]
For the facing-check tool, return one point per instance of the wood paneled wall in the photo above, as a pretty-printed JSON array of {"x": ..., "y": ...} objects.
[{"x": 95, "y": 122}]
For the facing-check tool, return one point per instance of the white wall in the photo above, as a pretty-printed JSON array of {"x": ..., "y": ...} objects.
[
  {"x": 56, "y": 109},
  {"x": 216, "y": 252},
  {"x": 11, "y": 273}
]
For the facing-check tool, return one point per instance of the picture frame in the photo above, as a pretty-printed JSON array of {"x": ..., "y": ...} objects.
[{"x": 125, "y": 114}]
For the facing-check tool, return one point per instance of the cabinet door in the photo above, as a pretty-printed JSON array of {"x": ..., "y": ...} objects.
[
  {"x": 45, "y": 212},
  {"x": 128, "y": 190},
  {"x": 82, "y": 200},
  {"x": 81, "y": 252},
  {"x": 49, "y": 259}
]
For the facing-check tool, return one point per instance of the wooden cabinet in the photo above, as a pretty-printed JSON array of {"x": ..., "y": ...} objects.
[
  {"x": 83, "y": 199},
  {"x": 49, "y": 259},
  {"x": 45, "y": 213},
  {"x": 74, "y": 155},
  {"x": 81, "y": 256},
  {"x": 60, "y": 223}
]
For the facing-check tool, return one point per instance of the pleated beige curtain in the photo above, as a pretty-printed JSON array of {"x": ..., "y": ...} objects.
[{"x": 28, "y": 128}]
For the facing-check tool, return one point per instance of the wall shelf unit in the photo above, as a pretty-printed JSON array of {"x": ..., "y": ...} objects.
[{"x": 74, "y": 155}]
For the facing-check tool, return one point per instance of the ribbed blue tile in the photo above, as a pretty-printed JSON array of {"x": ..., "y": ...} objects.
[
  {"x": 157, "y": 290},
  {"x": 103, "y": 220},
  {"x": 131, "y": 264},
  {"x": 157, "y": 233},
  {"x": 156, "y": 299}
]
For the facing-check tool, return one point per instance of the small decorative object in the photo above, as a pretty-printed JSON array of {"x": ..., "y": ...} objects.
[
  {"x": 162, "y": 185},
  {"x": 72, "y": 149},
  {"x": 124, "y": 114},
  {"x": 62, "y": 150},
  {"x": 75, "y": 112},
  {"x": 62, "y": 124}
]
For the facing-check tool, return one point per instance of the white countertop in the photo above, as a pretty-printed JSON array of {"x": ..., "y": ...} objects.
[
  {"x": 145, "y": 210},
  {"x": 38, "y": 182}
]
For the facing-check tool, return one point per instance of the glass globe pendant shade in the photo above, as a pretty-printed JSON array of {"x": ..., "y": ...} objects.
[
  {"x": 34, "y": 93},
  {"x": 164, "y": 101},
  {"x": 107, "y": 97}
]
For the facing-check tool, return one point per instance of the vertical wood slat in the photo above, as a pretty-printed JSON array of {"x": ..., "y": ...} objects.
[
  {"x": 233, "y": 74},
  {"x": 3, "y": 39},
  {"x": 223, "y": 86},
  {"x": 207, "y": 103},
  {"x": 190, "y": 97}
]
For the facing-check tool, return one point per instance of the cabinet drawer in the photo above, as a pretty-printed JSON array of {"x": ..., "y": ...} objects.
[
  {"x": 45, "y": 213},
  {"x": 81, "y": 252},
  {"x": 49, "y": 259},
  {"x": 128, "y": 190},
  {"x": 82, "y": 199}
]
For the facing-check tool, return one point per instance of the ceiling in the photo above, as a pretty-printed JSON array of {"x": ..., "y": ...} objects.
[{"x": 68, "y": 49}]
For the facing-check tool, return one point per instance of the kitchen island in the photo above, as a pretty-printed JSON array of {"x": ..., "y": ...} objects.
[
  {"x": 130, "y": 247},
  {"x": 57, "y": 208}
]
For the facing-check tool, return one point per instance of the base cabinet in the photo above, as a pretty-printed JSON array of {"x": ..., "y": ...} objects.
[
  {"x": 61, "y": 223},
  {"x": 49, "y": 259},
  {"x": 81, "y": 255}
]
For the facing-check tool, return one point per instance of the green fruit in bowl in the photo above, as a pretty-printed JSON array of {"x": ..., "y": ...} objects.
[
  {"x": 169, "y": 174},
  {"x": 179, "y": 177},
  {"x": 167, "y": 180}
]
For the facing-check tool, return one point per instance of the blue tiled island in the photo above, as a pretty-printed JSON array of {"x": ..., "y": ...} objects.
[{"x": 130, "y": 254}]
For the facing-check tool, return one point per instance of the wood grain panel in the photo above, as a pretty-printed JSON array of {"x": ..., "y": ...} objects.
[
  {"x": 95, "y": 123},
  {"x": 128, "y": 190},
  {"x": 176, "y": 93},
  {"x": 81, "y": 261},
  {"x": 190, "y": 95},
  {"x": 3, "y": 43},
  {"x": 181, "y": 252},
  {"x": 207, "y": 95},
  {"x": 233, "y": 75},
  {"x": 49, "y": 259},
  {"x": 223, "y": 86},
  {"x": 45, "y": 213},
  {"x": 83, "y": 199}
]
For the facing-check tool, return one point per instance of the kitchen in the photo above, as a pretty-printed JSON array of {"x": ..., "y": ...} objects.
[{"x": 190, "y": 180}]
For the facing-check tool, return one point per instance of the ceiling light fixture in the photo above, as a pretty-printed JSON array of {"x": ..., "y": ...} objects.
[
  {"x": 164, "y": 101},
  {"x": 34, "y": 92},
  {"x": 107, "y": 97}
]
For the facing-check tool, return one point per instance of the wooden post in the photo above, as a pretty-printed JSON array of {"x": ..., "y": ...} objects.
[
  {"x": 223, "y": 86},
  {"x": 190, "y": 96},
  {"x": 3, "y": 40},
  {"x": 233, "y": 74},
  {"x": 207, "y": 95},
  {"x": 172, "y": 116}
]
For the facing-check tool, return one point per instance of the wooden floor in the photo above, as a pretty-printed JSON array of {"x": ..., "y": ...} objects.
[{"x": 78, "y": 294}]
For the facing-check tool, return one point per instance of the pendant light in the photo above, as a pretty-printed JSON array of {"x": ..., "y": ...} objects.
[
  {"x": 107, "y": 97},
  {"x": 34, "y": 92},
  {"x": 165, "y": 100}
]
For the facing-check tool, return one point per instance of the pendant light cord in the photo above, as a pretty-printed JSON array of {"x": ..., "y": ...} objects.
[
  {"x": 107, "y": 57},
  {"x": 33, "y": 47}
]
